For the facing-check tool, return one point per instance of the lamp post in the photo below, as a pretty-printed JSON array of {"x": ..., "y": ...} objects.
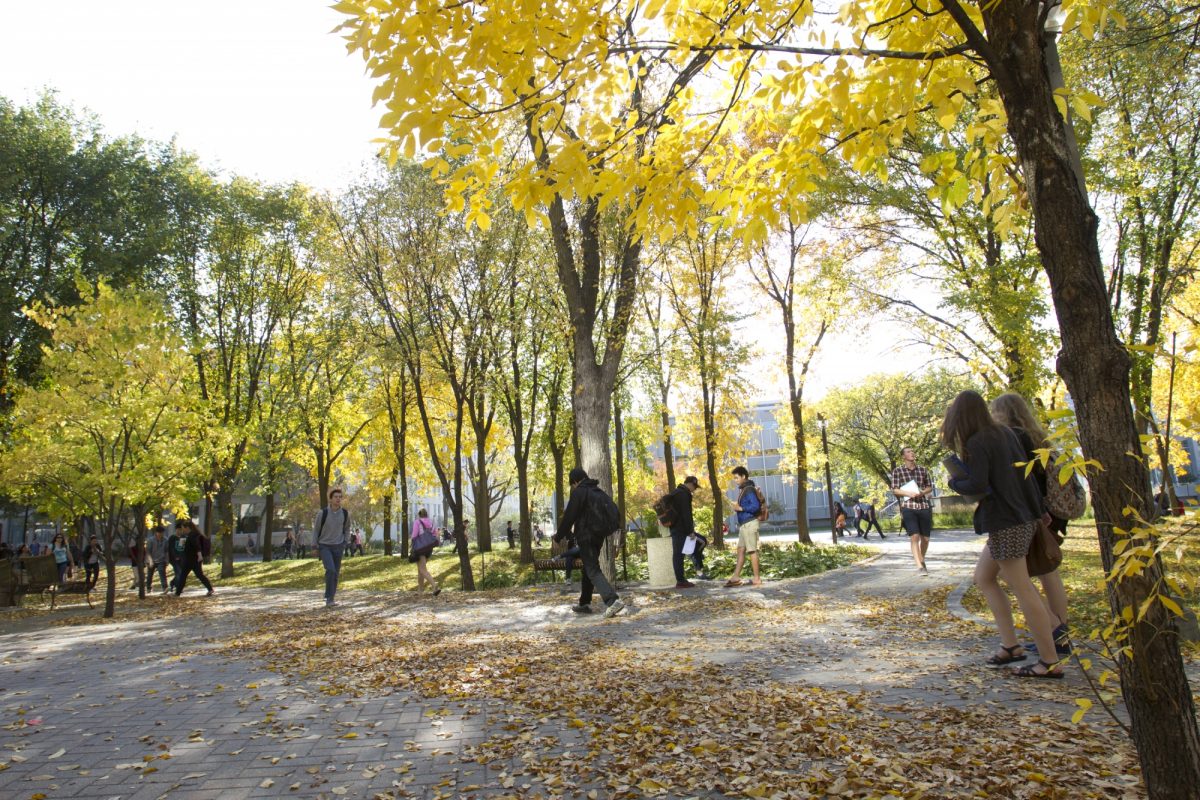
[
  {"x": 1168, "y": 478},
  {"x": 828, "y": 478}
]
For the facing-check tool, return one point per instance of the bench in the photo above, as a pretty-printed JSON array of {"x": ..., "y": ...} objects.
[
  {"x": 556, "y": 561},
  {"x": 40, "y": 574}
]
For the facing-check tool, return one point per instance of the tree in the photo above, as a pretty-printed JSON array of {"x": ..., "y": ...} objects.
[
  {"x": 72, "y": 202},
  {"x": 869, "y": 424},
  {"x": 804, "y": 280},
  {"x": 580, "y": 80},
  {"x": 1145, "y": 160},
  {"x": 703, "y": 291},
  {"x": 116, "y": 426},
  {"x": 990, "y": 297}
]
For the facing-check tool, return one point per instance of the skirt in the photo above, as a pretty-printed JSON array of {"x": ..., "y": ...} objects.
[{"x": 1009, "y": 543}]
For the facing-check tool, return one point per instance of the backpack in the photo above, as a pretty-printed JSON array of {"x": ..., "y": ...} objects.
[
  {"x": 602, "y": 514},
  {"x": 1064, "y": 500},
  {"x": 763, "y": 513},
  {"x": 664, "y": 509},
  {"x": 325, "y": 516}
]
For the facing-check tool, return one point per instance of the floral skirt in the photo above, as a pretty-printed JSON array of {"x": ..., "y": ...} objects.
[{"x": 1013, "y": 542}]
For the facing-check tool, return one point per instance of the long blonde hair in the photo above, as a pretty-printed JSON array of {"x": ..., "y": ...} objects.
[{"x": 1013, "y": 410}]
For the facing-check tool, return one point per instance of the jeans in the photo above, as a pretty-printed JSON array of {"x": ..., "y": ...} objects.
[
  {"x": 569, "y": 556},
  {"x": 589, "y": 554},
  {"x": 331, "y": 557},
  {"x": 678, "y": 537},
  {"x": 63, "y": 566},
  {"x": 161, "y": 569},
  {"x": 176, "y": 572},
  {"x": 91, "y": 574}
]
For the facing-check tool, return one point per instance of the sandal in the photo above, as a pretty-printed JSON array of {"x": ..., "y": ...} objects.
[
  {"x": 732, "y": 582},
  {"x": 1010, "y": 656},
  {"x": 1029, "y": 671}
]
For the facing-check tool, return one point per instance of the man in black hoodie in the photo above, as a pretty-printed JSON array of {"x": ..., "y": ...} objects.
[
  {"x": 683, "y": 529},
  {"x": 585, "y": 512}
]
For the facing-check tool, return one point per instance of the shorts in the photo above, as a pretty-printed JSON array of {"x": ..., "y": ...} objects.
[
  {"x": 1009, "y": 543},
  {"x": 748, "y": 536},
  {"x": 917, "y": 521}
]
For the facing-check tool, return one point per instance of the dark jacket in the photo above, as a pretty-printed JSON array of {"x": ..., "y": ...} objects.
[
  {"x": 681, "y": 501},
  {"x": 193, "y": 547},
  {"x": 575, "y": 516},
  {"x": 1012, "y": 499}
]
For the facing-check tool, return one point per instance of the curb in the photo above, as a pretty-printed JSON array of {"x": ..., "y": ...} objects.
[{"x": 955, "y": 605}]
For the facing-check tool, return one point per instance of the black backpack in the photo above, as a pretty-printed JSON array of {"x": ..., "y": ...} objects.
[
  {"x": 664, "y": 509},
  {"x": 602, "y": 514}
]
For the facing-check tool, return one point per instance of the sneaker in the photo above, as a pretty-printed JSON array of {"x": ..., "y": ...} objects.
[
  {"x": 685, "y": 585},
  {"x": 924, "y": 570},
  {"x": 210, "y": 593},
  {"x": 704, "y": 576},
  {"x": 617, "y": 607},
  {"x": 582, "y": 609},
  {"x": 331, "y": 604}
]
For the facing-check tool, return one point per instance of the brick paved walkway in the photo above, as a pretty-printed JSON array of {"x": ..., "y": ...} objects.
[{"x": 154, "y": 707}]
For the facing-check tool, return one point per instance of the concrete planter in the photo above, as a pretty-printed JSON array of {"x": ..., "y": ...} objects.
[{"x": 658, "y": 558}]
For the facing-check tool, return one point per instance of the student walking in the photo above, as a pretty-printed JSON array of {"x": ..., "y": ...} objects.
[
  {"x": 193, "y": 557},
  {"x": 872, "y": 520},
  {"x": 176, "y": 544},
  {"x": 331, "y": 532},
  {"x": 423, "y": 540},
  {"x": 1009, "y": 514},
  {"x": 749, "y": 508},
  {"x": 839, "y": 521},
  {"x": 593, "y": 516},
  {"x": 912, "y": 484},
  {"x": 156, "y": 546}
]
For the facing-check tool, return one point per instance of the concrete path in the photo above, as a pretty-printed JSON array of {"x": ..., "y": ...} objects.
[{"x": 158, "y": 704}]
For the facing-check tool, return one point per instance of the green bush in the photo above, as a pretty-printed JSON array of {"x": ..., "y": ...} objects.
[{"x": 789, "y": 561}]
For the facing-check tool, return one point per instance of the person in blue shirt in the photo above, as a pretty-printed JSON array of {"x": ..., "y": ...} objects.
[{"x": 748, "y": 507}]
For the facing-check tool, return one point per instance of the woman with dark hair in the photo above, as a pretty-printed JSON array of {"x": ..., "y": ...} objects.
[
  {"x": 423, "y": 540},
  {"x": 839, "y": 520},
  {"x": 1009, "y": 514},
  {"x": 193, "y": 556}
]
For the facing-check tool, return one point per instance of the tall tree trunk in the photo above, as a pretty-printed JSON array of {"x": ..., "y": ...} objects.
[
  {"x": 526, "y": 517},
  {"x": 619, "y": 440},
  {"x": 708, "y": 400},
  {"x": 268, "y": 535},
  {"x": 668, "y": 450},
  {"x": 225, "y": 509},
  {"x": 1096, "y": 368},
  {"x": 483, "y": 507},
  {"x": 139, "y": 533},
  {"x": 801, "y": 470},
  {"x": 387, "y": 514}
]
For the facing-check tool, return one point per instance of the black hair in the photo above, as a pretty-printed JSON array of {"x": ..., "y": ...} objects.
[{"x": 745, "y": 473}]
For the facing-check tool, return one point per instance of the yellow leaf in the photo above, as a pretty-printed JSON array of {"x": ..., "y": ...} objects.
[
  {"x": 1084, "y": 705},
  {"x": 351, "y": 735}
]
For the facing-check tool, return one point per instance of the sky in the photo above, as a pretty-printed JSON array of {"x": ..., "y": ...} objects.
[{"x": 262, "y": 88}]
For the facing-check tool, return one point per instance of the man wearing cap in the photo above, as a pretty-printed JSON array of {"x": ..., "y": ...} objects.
[{"x": 586, "y": 509}]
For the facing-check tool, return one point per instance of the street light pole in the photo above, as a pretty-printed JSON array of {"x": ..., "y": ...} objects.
[{"x": 828, "y": 478}]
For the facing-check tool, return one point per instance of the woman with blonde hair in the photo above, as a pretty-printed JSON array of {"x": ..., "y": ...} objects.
[
  {"x": 1013, "y": 410},
  {"x": 1009, "y": 514},
  {"x": 422, "y": 542}
]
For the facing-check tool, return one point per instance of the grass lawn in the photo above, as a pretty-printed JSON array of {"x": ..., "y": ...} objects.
[
  {"x": 502, "y": 568},
  {"x": 1083, "y": 576}
]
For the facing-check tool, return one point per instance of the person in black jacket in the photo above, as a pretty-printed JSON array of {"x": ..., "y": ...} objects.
[
  {"x": 590, "y": 539},
  {"x": 193, "y": 556},
  {"x": 684, "y": 528},
  {"x": 1009, "y": 513}
]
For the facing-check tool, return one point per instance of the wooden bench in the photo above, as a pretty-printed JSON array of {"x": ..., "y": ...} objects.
[
  {"x": 556, "y": 561},
  {"x": 40, "y": 574}
]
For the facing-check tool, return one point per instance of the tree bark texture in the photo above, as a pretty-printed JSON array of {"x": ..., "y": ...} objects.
[
  {"x": 1096, "y": 369},
  {"x": 268, "y": 534}
]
